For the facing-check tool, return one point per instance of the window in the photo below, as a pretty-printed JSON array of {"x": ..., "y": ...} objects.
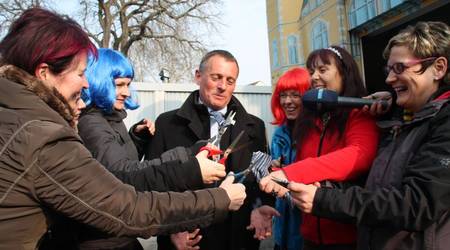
[
  {"x": 362, "y": 11},
  {"x": 310, "y": 5},
  {"x": 292, "y": 49},
  {"x": 275, "y": 62},
  {"x": 389, "y": 4},
  {"x": 319, "y": 35},
  {"x": 306, "y": 8}
]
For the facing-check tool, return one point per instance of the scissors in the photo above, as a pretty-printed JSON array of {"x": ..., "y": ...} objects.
[
  {"x": 229, "y": 121},
  {"x": 281, "y": 182},
  {"x": 212, "y": 151},
  {"x": 287, "y": 196},
  {"x": 240, "y": 177}
]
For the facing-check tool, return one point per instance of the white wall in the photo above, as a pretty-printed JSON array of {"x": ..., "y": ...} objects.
[{"x": 156, "y": 98}]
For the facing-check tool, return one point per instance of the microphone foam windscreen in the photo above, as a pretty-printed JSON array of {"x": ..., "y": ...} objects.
[{"x": 315, "y": 99}]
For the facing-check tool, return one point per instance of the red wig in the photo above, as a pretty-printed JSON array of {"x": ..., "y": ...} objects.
[
  {"x": 41, "y": 36},
  {"x": 294, "y": 79}
]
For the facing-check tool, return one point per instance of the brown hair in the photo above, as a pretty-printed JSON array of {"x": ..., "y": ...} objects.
[
  {"x": 352, "y": 86},
  {"x": 424, "y": 40},
  {"x": 222, "y": 53}
]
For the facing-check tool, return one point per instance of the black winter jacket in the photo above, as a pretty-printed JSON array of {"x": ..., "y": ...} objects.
[
  {"x": 190, "y": 123},
  {"x": 106, "y": 137},
  {"x": 406, "y": 201}
]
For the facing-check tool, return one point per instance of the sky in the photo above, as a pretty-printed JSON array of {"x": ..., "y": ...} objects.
[{"x": 244, "y": 34}]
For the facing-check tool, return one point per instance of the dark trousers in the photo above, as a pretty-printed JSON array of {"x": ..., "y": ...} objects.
[{"x": 308, "y": 245}]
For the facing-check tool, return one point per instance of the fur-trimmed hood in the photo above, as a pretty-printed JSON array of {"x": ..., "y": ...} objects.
[{"x": 46, "y": 93}]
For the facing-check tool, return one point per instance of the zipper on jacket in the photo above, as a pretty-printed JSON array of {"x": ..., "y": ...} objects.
[
  {"x": 395, "y": 132},
  {"x": 325, "y": 120}
]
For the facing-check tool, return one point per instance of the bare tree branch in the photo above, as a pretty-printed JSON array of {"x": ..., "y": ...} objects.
[
  {"x": 10, "y": 10},
  {"x": 155, "y": 34}
]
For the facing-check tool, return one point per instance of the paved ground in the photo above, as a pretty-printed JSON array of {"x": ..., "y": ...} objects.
[{"x": 150, "y": 244}]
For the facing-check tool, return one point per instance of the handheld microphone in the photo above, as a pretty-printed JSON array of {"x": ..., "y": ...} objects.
[{"x": 323, "y": 99}]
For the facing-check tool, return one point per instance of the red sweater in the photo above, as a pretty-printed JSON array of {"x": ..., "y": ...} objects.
[{"x": 340, "y": 160}]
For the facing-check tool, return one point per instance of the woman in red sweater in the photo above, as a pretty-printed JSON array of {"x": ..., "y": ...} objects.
[{"x": 332, "y": 145}]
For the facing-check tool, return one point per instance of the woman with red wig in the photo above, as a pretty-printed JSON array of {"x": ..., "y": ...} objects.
[
  {"x": 286, "y": 106},
  {"x": 333, "y": 145}
]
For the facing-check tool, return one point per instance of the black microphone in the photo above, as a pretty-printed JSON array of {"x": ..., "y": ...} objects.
[{"x": 323, "y": 99}]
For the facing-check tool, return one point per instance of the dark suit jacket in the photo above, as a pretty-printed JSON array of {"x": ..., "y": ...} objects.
[{"x": 190, "y": 123}]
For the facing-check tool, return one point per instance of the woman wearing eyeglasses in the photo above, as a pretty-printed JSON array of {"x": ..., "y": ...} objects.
[
  {"x": 333, "y": 145},
  {"x": 286, "y": 105},
  {"x": 405, "y": 203}
]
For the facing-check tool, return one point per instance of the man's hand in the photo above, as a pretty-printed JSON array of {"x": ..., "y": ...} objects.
[
  {"x": 186, "y": 240},
  {"x": 261, "y": 221},
  {"x": 145, "y": 124},
  {"x": 269, "y": 186},
  {"x": 236, "y": 192},
  {"x": 303, "y": 195},
  {"x": 376, "y": 108},
  {"x": 211, "y": 170}
]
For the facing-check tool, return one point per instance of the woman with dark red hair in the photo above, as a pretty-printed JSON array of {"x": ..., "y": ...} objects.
[
  {"x": 45, "y": 170},
  {"x": 286, "y": 106}
]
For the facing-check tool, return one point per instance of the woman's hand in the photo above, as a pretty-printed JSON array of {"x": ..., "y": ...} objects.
[
  {"x": 377, "y": 108},
  {"x": 186, "y": 240},
  {"x": 236, "y": 192},
  {"x": 145, "y": 124},
  {"x": 269, "y": 186},
  {"x": 303, "y": 195},
  {"x": 211, "y": 170}
]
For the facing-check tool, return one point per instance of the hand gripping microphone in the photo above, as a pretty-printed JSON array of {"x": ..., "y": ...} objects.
[{"x": 323, "y": 99}]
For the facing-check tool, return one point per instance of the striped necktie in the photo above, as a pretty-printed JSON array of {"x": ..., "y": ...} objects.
[{"x": 218, "y": 117}]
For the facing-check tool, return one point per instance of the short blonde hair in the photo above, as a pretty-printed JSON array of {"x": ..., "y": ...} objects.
[{"x": 425, "y": 39}]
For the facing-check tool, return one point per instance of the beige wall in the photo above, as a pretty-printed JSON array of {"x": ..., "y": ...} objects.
[
  {"x": 282, "y": 21},
  {"x": 285, "y": 18}
]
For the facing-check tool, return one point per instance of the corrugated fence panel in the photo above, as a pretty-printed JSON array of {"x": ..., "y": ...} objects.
[
  {"x": 259, "y": 105},
  {"x": 147, "y": 103},
  {"x": 158, "y": 98},
  {"x": 174, "y": 100}
]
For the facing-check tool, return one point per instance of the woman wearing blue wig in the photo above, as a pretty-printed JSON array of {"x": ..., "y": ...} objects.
[{"x": 103, "y": 131}]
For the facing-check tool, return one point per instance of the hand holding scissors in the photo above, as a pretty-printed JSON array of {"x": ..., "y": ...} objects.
[{"x": 213, "y": 151}]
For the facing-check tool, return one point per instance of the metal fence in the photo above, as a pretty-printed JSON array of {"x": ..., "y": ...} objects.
[{"x": 158, "y": 98}]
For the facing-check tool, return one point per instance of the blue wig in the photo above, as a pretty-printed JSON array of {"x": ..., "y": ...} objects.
[{"x": 101, "y": 73}]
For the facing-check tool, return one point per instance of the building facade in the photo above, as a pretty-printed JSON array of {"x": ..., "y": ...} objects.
[{"x": 363, "y": 27}]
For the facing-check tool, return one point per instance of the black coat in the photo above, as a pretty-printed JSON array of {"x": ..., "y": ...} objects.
[
  {"x": 106, "y": 137},
  {"x": 405, "y": 204},
  {"x": 190, "y": 123}
]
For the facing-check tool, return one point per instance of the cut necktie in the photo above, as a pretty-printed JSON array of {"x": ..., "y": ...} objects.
[{"x": 216, "y": 115}]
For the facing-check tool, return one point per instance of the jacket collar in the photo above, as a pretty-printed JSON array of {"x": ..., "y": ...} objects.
[
  {"x": 430, "y": 109},
  {"x": 191, "y": 110},
  {"x": 115, "y": 115},
  {"x": 46, "y": 93}
]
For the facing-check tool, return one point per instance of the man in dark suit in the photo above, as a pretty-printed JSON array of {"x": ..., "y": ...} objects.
[{"x": 197, "y": 120}]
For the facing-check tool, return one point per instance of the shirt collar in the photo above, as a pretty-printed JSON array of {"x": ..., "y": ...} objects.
[{"x": 222, "y": 111}]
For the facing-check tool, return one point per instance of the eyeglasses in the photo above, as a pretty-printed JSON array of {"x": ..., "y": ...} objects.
[
  {"x": 399, "y": 67},
  {"x": 293, "y": 96}
]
